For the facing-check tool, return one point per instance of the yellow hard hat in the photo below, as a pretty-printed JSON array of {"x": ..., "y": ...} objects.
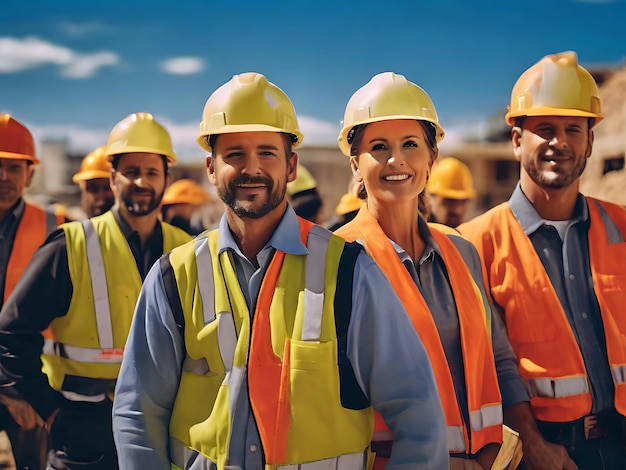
[
  {"x": 385, "y": 97},
  {"x": 349, "y": 202},
  {"x": 248, "y": 103},
  {"x": 185, "y": 191},
  {"x": 451, "y": 178},
  {"x": 140, "y": 132},
  {"x": 303, "y": 182},
  {"x": 555, "y": 86},
  {"x": 16, "y": 141},
  {"x": 95, "y": 165}
]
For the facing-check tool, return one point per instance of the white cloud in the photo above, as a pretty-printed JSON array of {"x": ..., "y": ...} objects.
[
  {"x": 183, "y": 65},
  {"x": 18, "y": 55},
  {"x": 318, "y": 132},
  {"x": 78, "y": 30}
]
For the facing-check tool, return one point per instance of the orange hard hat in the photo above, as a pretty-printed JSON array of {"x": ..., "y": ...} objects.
[
  {"x": 186, "y": 191},
  {"x": 16, "y": 141},
  {"x": 95, "y": 165}
]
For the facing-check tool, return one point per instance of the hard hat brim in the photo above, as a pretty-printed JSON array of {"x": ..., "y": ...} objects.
[
  {"x": 342, "y": 140},
  {"x": 19, "y": 156},
  {"x": 112, "y": 152},
  {"x": 90, "y": 175},
  {"x": 235, "y": 128},
  {"x": 455, "y": 194},
  {"x": 511, "y": 117}
]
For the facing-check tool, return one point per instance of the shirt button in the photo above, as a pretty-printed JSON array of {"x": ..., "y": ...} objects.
[
  {"x": 572, "y": 277},
  {"x": 253, "y": 448},
  {"x": 584, "y": 315}
]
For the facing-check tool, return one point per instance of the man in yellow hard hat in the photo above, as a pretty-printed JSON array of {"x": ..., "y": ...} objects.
[
  {"x": 23, "y": 227},
  {"x": 450, "y": 189},
  {"x": 181, "y": 202},
  {"x": 273, "y": 367},
  {"x": 96, "y": 196},
  {"x": 555, "y": 267},
  {"x": 81, "y": 287}
]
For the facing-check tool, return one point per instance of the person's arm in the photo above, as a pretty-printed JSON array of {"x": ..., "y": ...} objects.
[
  {"x": 148, "y": 380},
  {"x": 392, "y": 368},
  {"x": 42, "y": 294}
]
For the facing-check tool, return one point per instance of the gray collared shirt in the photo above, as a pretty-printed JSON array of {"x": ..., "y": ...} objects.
[
  {"x": 431, "y": 277},
  {"x": 8, "y": 229},
  {"x": 567, "y": 264}
]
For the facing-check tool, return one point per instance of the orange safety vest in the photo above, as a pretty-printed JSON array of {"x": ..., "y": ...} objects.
[
  {"x": 31, "y": 233},
  {"x": 483, "y": 392},
  {"x": 540, "y": 333}
]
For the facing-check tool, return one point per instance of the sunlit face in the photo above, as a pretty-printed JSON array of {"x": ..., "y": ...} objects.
[
  {"x": 553, "y": 150},
  {"x": 15, "y": 176},
  {"x": 250, "y": 171},
  {"x": 96, "y": 196},
  {"x": 448, "y": 211},
  {"x": 138, "y": 183},
  {"x": 393, "y": 160}
]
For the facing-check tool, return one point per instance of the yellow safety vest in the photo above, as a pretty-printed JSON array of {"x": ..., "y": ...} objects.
[
  {"x": 294, "y": 329},
  {"x": 89, "y": 340}
]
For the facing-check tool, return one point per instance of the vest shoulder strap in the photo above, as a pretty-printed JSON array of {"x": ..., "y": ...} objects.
[
  {"x": 352, "y": 397},
  {"x": 171, "y": 291}
]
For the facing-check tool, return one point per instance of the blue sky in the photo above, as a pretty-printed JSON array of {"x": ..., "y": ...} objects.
[{"x": 72, "y": 69}]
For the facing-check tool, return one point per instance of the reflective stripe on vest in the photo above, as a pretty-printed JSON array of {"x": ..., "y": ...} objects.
[
  {"x": 107, "y": 354},
  {"x": 557, "y": 388},
  {"x": 489, "y": 415},
  {"x": 619, "y": 373}
]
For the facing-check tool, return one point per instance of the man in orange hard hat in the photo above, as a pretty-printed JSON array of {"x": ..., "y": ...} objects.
[
  {"x": 81, "y": 287},
  {"x": 450, "y": 189},
  {"x": 96, "y": 196},
  {"x": 23, "y": 227},
  {"x": 181, "y": 202},
  {"x": 555, "y": 267}
]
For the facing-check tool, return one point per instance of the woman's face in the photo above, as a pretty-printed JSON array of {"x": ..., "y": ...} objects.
[{"x": 393, "y": 161}]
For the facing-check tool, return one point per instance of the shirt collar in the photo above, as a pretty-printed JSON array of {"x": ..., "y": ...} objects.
[
  {"x": 430, "y": 249},
  {"x": 10, "y": 221},
  {"x": 528, "y": 217},
  {"x": 282, "y": 239}
]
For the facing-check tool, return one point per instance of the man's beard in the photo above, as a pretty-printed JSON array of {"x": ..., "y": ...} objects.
[
  {"x": 552, "y": 179},
  {"x": 242, "y": 208},
  {"x": 141, "y": 208}
]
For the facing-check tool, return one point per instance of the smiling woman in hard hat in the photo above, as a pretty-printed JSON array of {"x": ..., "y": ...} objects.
[
  {"x": 450, "y": 189},
  {"x": 391, "y": 132}
]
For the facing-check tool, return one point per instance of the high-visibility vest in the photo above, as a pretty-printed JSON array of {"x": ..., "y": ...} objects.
[
  {"x": 483, "y": 393},
  {"x": 32, "y": 230},
  {"x": 290, "y": 352},
  {"x": 540, "y": 333},
  {"x": 88, "y": 341}
]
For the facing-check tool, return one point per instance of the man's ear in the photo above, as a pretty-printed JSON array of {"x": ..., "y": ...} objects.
[
  {"x": 516, "y": 140},
  {"x": 30, "y": 173},
  {"x": 210, "y": 170},
  {"x": 112, "y": 178},
  {"x": 292, "y": 167},
  {"x": 590, "y": 143},
  {"x": 356, "y": 173}
]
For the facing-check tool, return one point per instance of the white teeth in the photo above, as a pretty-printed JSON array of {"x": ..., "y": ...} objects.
[{"x": 396, "y": 177}]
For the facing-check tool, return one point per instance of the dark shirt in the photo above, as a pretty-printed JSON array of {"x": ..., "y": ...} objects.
[
  {"x": 44, "y": 293},
  {"x": 8, "y": 229},
  {"x": 567, "y": 264}
]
